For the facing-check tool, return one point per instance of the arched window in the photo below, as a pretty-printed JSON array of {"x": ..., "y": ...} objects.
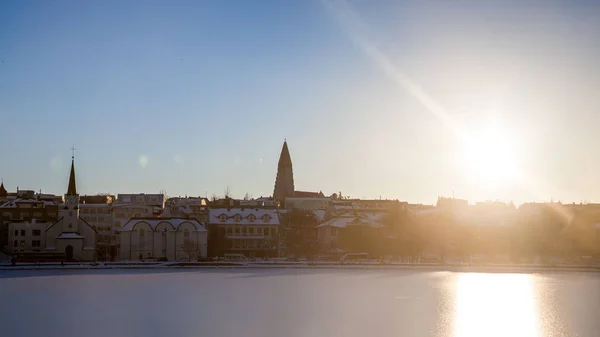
[
  {"x": 251, "y": 217},
  {"x": 142, "y": 237},
  {"x": 266, "y": 218},
  {"x": 223, "y": 217},
  {"x": 238, "y": 218}
]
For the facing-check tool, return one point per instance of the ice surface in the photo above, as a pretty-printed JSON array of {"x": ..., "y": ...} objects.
[{"x": 293, "y": 302}]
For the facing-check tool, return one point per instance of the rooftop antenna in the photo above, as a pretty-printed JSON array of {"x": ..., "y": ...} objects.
[{"x": 72, "y": 152}]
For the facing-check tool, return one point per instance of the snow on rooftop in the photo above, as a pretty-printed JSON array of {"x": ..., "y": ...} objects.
[
  {"x": 344, "y": 221},
  {"x": 261, "y": 216},
  {"x": 320, "y": 214},
  {"x": 308, "y": 199},
  {"x": 69, "y": 236},
  {"x": 94, "y": 205},
  {"x": 14, "y": 202}
]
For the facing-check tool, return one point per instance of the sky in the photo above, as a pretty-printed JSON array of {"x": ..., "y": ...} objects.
[{"x": 376, "y": 99}]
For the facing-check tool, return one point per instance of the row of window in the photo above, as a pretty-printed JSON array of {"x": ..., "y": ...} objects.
[
  {"x": 21, "y": 244},
  {"x": 186, "y": 233},
  {"x": 251, "y": 218},
  {"x": 331, "y": 230},
  {"x": 250, "y": 244},
  {"x": 267, "y": 231},
  {"x": 23, "y": 215},
  {"x": 22, "y": 232},
  {"x": 86, "y": 210},
  {"x": 132, "y": 214},
  {"x": 94, "y": 218}
]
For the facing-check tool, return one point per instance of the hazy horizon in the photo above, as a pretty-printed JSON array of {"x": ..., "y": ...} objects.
[{"x": 494, "y": 100}]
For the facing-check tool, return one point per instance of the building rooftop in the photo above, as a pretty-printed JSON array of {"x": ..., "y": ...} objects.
[
  {"x": 154, "y": 222},
  {"x": 247, "y": 216}
]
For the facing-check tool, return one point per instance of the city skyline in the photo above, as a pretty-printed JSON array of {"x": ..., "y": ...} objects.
[{"x": 382, "y": 100}]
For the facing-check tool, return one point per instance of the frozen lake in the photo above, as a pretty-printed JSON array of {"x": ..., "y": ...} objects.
[{"x": 295, "y": 302}]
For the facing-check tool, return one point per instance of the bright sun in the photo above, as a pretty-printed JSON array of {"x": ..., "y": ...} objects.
[{"x": 489, "y": 157}]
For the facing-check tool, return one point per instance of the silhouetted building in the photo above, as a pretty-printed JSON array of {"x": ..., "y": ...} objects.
[
  {"x": 451, "y": 203},
  {"x": 97, "y": 199},
  {"x": 3, "y": 191},
  {"x": 306, "y": 194},
  {"x": 284, "y": 182},
  {"x": 307, "y": 203}
]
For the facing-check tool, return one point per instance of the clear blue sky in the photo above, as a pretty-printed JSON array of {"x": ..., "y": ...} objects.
[{"x": 193, "y": 96}]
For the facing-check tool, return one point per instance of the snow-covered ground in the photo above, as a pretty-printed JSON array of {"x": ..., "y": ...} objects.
[
  {"x": 296, "y": 302},
  {"x": 457, "y": 267}
]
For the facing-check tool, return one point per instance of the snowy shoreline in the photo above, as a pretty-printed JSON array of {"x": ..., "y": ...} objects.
[{"x": 320, "y": 266}]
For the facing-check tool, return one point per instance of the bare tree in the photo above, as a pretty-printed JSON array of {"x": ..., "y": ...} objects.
[
  {"x": 191, "y": 249},
  {"x": 213, "y": 197},
  {"x": 227, "y": 192}
]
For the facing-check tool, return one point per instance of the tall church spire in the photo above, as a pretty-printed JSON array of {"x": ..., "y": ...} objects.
[
  {"x": 3, "y": 192},
  {"x": 72, "y": 189},
  {"x": 284, "y": 182}
]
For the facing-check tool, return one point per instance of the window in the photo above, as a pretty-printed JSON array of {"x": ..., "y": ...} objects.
[
  {"x": 22, "y": 232},
  {"x": 36, "y": 232},
  {"x": 16, "y": 243},
  {"x": 186, "y": 234},
  {"x": 237, "y": 230},
  {"x": 229, "y": 230},
  {"x": 243, "y": 230},
  {"x": 70, "y": 213},
  {"x": 16, "y": 232},
  {"x": 266, "y": 218},
  {"x": 142, "y": 238},
  {"x": 238, "y": 218},
  {"x": 251, "y": 217},
  {"x": 251, "y": 230},
  {"x": 36, "y": 243},
  {"x": 22, "y": 243},
  {"x": 223, "y": 217}
]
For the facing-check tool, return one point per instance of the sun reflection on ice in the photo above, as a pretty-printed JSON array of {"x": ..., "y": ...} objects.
[{"x": 495, "y": 305}]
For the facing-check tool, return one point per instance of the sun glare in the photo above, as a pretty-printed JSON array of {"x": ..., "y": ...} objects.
[
  {"x": 495, "y": 305},
  {"x": 489, "y": 157}
]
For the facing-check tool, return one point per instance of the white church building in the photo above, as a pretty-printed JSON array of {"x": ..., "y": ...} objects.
[
  {"x": 173, "y": 239},
  {"x": 69, "y": 235}
]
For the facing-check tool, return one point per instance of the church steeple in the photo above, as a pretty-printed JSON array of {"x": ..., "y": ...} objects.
[
  {"x": 72, "y": 189},
  {"x": 284, "y": 182},
  {"x": 3, "y": 192},
  {"x": 71, "y": 209}
]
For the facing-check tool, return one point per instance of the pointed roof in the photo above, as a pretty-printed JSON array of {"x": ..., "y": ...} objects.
[
  {"x": 285, "y": 158},
  {"x": 72, "y": 189},
  {"x": 3, "y": 192}
]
